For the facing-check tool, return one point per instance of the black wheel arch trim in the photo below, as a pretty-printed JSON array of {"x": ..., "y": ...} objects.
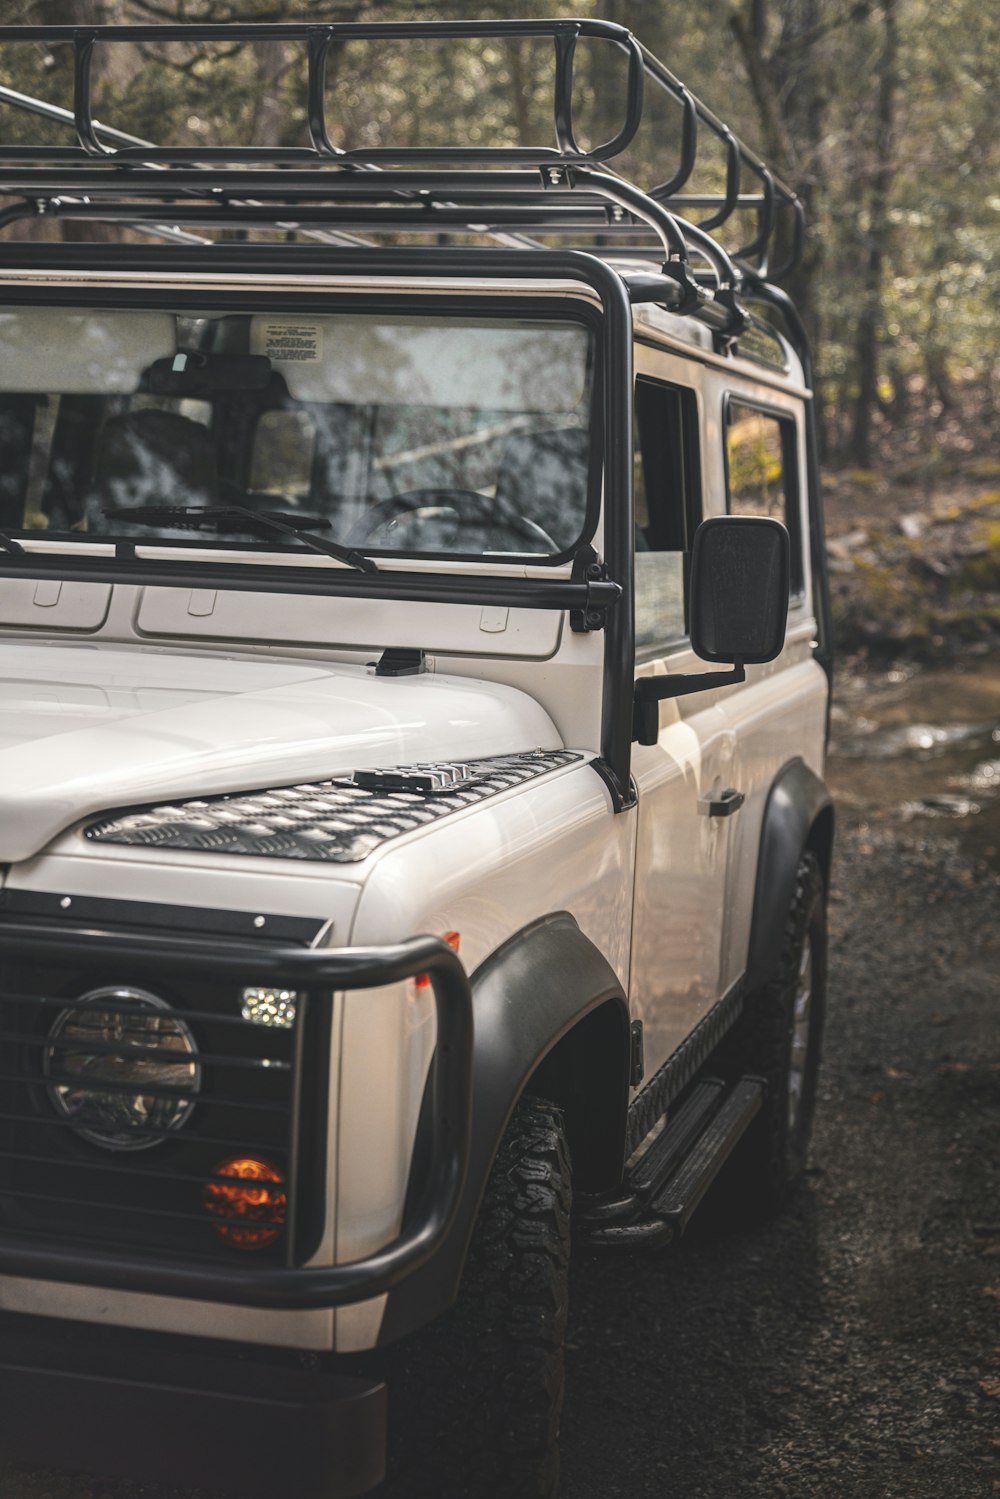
[
  {"x": 798, "y": 816},
  {"x": 551, "y": 1018}
]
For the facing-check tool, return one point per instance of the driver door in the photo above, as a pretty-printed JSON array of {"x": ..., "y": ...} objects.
[{"x": 682, "y": 852}]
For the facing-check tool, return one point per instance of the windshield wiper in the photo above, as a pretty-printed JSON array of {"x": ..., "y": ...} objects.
[
  {"x": 266, "y": 522},
  {"x": 9, "y": 544}
]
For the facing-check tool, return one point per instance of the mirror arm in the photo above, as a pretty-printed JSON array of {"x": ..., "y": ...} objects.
[{"x": 650, "y": 692}]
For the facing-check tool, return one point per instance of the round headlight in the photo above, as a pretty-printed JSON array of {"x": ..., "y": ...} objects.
[{"x": 131, "y": 1039}]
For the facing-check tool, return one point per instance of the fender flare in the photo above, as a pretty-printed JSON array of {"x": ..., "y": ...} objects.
[
  {"x": 798, "y": 817},
  {"x": 547, "y": 984}
]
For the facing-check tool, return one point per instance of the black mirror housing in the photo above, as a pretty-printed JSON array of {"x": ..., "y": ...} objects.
[
  {"x": 200, "y": 374},
  {"x": 740, "y": 567}
]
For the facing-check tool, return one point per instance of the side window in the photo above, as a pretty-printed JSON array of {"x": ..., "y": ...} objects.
[
  {"x": 284, "y": 447},
  {"x": 667, "y": 509},
  {"x": 762, "y": 472}
]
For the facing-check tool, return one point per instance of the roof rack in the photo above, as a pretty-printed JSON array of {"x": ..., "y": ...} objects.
[{"x": 507, "y": 192}]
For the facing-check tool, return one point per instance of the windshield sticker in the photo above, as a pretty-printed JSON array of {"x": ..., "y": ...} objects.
[{"x": 288, "y": 342}]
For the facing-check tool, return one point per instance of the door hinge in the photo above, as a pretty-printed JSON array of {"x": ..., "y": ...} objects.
[{"x": 637, "y": 1067}]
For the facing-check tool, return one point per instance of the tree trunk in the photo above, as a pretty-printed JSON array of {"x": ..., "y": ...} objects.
[
  {"x": 877, "y": 242},
  {"x": 265, "y": 124},
  {"x": 789, "y": 87}
]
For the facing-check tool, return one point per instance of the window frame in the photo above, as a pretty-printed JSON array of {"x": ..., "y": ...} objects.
[
  {"x": 472, "y": 305},
  {"x": 693, "y": 507},
  {"x": 791, "y": 475}
]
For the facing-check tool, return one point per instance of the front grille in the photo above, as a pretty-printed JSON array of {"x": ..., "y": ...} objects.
[{"x": 254, "y": 1090}]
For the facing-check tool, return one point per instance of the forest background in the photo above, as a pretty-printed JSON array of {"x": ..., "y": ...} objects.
[{"x": 881, "y": 114}]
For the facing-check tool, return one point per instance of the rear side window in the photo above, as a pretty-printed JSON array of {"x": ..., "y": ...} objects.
[
  {"x": 762, "y": 472},
  {"x": 667, "y": 481}
]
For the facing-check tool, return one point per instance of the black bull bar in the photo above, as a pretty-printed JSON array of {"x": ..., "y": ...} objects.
[{"x": 317, "y": 973}]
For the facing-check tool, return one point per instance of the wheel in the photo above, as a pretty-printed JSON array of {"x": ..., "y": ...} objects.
[
  {"x": 447, "y": 519},
  {"x": 475, "y": 1399},
  {"x": 779, "y": 1038}
]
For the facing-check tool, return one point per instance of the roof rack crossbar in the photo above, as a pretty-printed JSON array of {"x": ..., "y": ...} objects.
[{"x": 663, "y": 209}]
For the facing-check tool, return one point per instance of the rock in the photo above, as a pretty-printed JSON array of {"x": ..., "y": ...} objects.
[
  {"x": 913, "y": 526},
  {"x": 843, "y": 546}
]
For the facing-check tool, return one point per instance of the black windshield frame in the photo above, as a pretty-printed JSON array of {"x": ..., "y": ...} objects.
[{"x": 371, "y": 301}]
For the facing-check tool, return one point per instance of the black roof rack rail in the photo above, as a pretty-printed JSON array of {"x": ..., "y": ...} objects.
[{"x": 325, "y": 191}]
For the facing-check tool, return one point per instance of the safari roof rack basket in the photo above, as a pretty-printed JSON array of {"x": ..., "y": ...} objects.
[{"x": 322, "y": 191}]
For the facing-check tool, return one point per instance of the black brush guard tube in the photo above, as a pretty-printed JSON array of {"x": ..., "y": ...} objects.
[{"x": 318, "y": 972}]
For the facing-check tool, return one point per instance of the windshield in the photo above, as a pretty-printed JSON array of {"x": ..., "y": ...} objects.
[{"x": 455, "y": 436}]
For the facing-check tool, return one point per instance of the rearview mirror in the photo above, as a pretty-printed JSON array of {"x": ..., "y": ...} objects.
[
  {"x": 201, "y": 374},
  {"x": 739, "y": 588}
]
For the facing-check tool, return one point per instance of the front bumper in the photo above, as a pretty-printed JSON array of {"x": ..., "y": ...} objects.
[
  {"x": 157, "y": 1409},
  {"x": 154, "y": 1407},
  {"x": 316, "y": 973}
]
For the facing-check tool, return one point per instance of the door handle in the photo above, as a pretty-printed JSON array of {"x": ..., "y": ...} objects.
[{"x": 724, "y": 805}]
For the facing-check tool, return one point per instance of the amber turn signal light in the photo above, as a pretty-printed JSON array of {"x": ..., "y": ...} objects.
[
  {"x": 423, "y": 980},
  {"x": 251, "y": 1210}
]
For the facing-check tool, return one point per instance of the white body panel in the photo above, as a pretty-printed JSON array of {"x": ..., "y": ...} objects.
[
  {"x": 680, "y": 909},
  {"x": 82, "y": 729}
]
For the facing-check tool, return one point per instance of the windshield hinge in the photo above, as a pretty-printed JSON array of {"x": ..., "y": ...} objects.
[
  {"x": 589, "y": 569},
  {"x": 400, "y": 661}
]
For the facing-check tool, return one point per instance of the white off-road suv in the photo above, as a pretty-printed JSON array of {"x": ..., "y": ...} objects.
[{"x": 387, "y": 883}]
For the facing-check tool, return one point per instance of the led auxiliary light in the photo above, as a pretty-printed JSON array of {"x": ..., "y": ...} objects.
[
  {"x": 105, "y": 1051},
  {"x": 271, "y": 1007}
]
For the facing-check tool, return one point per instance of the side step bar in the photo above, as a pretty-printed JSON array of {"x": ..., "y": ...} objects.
[{"x": 667, "y": 1184}]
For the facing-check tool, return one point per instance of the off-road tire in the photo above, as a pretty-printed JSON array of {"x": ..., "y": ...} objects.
[
  {"x": 772, "y": 1156},
  {"x": 475, "y": 1399}
]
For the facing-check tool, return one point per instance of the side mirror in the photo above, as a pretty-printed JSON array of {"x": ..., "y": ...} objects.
[
  {"x": 739, "y": 588},
  {"x": 740, "y": 567}
]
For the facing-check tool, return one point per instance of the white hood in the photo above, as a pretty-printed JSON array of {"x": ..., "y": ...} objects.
[{"x": 87, "y": 728}]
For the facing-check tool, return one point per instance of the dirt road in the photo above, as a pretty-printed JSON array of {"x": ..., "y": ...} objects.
[{"x": 848, "y": 1349}]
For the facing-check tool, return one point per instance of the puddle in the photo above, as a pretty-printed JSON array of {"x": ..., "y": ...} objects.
[{"x": 922, "y": 747}]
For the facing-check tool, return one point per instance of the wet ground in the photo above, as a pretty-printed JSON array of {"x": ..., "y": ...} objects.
[
  {"x": 850, "y": 1349},
  {"x": 913, "y": 747}
]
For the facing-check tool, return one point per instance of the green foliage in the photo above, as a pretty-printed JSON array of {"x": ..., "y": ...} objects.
[{"x": 815, "y": 112}]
